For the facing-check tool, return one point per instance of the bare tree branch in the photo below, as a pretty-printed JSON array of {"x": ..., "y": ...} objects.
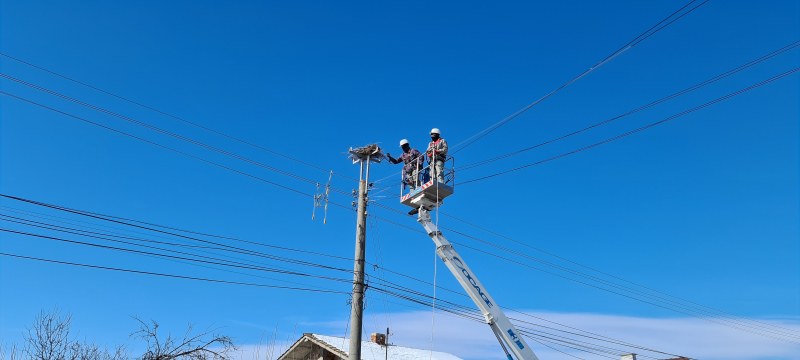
[
  {"x": 49, "y": 339},
  {"x": 201, "y": 346}
]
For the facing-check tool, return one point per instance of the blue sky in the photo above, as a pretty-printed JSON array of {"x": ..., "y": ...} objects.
[{"x": 704, "y": 207}]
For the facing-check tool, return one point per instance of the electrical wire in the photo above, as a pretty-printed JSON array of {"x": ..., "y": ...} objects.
[
  {"x": 416, "y": 293},
  {"x": 701, "y": 4},
  {"x": 191, "y": 238},
  {"x": 474, "y": 314},
  {"x": 639, "y": 129},
  {"x": 197, "y": 125},
  {"x": 113, "y": 238},
  {"x": 165, "y": 132},
  {"x": 545, "y": 344},
  {"x": 168, "y": 275},
  {"x": 705, "y": 309},
  {"x": 141, "y": 252},
  {"x": 112, "y": 231},
  {"x": 104, "y": 236},
  {"x": 633, "y": 294},
  {"x": 685, "y": 91},
  {"x": 149, "y": 224},
  {"x": 678, "y": 14},
  {"x": 154, "y": 143},
  {"x": 675, "y": 16}
]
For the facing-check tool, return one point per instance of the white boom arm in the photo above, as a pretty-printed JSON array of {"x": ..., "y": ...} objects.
[{"x": 497, "y": 320}]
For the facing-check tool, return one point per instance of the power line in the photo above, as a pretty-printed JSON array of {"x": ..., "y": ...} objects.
[
  {"x": 678, "y": 14},
  {"x": 337, "y": 204},
  {"x": 141, "y": 252},
  {"x": 169, "y": 275},
  {"x": 411, "y": 291},
  {"x": 158, "y": 130},
  {"x": 79, "y": 232},
  {"x": 107, "y": 267},
  {"x": 163, "y": 131},
  {"x": 545, "y": 344},
  {"x": 591, "y": 335},
  {"x": 675, "y": 16},
  {"x": 191, "y": 238},
  {"x": 80, "y": 212},
  {"x": 627, "y": 292},
  {"x": 77, "y": 222},
  {"x": 706, "y": 309},
  {"x": 474, "y": 315},
  {"x": 126, "y": 99},
  {"x": 689, "y": 89},
  {"x": 154, "y": 143},
  {"x": 572, "y": 345},
  {"x": 114, "y": 238},
  {"x": 404, "y": 289},
  {"x": 639, "y": 129},
  {"x": 193, "y": 278}
]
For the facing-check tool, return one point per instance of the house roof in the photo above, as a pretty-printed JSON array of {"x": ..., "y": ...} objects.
[{"x": 369, "y": 350}]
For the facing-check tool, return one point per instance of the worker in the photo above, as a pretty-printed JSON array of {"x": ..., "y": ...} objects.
[
  {"x": 412, "y": 163},
  {"x": 437, "y": 153}
]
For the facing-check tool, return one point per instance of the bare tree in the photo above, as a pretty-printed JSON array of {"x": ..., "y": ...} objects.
[
  {"x": 85, "y": 351},
  {"x": 49, "y": 339},
  {"x": 201, "y": 346},
  {"x": 10, "y": 354}
]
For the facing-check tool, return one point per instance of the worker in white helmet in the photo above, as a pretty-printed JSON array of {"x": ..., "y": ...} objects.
[
  {"x": 412, "y": 164},
  {"x": 437, "y": 153}
]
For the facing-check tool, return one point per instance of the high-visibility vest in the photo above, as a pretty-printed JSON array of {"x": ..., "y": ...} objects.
[{"x": 432, "y": 147}]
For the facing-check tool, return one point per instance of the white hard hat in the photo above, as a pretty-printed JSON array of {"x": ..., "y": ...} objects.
[
  {"x": 435, "y": 131},
  {"x": 403, "y": 142}
]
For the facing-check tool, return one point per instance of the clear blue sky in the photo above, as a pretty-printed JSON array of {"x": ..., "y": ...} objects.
[{"x": 705, "y": 207}]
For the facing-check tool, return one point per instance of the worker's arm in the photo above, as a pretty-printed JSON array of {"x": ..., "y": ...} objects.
[
  {"x": 393, "y": 160},
  {"x": 442, "y": 151}
]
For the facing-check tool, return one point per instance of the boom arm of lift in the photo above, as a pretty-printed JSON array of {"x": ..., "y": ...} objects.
[{"x": 506, "y": 333}]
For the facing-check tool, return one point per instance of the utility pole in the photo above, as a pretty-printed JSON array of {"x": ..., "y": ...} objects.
[
  {"x": 387, "y": 344},
  {"x": 364, "y": 156}
]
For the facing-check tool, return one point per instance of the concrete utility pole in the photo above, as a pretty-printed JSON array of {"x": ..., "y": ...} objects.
[{"x": 364, "y": 156}]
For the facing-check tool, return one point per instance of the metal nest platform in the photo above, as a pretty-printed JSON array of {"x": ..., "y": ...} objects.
[{"x": 371, "y": 153}]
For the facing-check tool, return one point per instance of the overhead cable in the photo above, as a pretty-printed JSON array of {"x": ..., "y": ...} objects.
[
  {"x": 675, "y": 16},
  {"x": 385, "y": 282},
  {"x": 197, "y": 125},
  {"x": 639, "y": 129},
  {"x": 191, "y": 238},
  {"x": 139, "y": 242},
  {"x": 712, "y": 315},
  {"x": 154, "y": 143},
  {"x": 689, "y": 89},
  {"x": 169, "y": 275},
  {"x": 158, "y": 129},
  {"x": 141, "y": 252}
]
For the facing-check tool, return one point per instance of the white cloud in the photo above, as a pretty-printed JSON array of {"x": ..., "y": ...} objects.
[{"x": 691, "y": 337}]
